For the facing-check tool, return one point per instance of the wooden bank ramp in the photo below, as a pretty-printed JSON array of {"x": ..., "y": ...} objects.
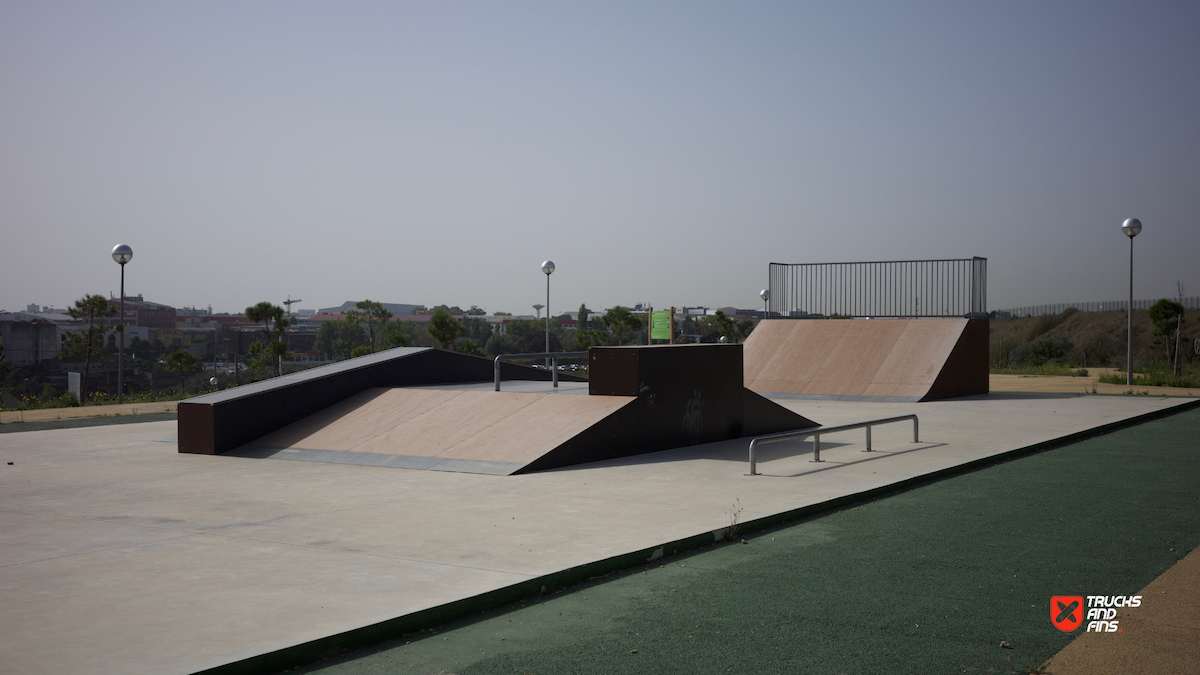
[
  {"x": 868, "y": 359},
  {"x": 444, "y": 430},
  {"x": 426, "y": 409}
]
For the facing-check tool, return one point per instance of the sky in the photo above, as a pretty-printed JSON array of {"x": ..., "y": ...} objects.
[{"x": 659, "y": 152}]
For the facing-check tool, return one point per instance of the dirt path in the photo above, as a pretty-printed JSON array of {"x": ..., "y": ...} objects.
[
  {"x": 51, "y": 414},
  {"x": 1078, "y": 385}
]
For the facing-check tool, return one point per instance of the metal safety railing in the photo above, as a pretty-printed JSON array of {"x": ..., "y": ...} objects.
[
  {"x": 553, "y": 356},
  {"x": 892, "y": 288},
  {"x": 817, "y": 432}
]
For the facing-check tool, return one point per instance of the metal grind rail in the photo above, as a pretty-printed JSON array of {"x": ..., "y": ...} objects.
[
  {"x": 805, "y": 433},
  {"x": 553, "y": 356}
]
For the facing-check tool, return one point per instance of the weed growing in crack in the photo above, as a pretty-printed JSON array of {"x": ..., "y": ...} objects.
[{"x": 735, "y": 514}]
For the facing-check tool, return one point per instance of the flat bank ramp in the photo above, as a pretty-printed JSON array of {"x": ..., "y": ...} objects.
[
  {"x": 868, "y": 359},
  {"x": 467, "y": 431}
]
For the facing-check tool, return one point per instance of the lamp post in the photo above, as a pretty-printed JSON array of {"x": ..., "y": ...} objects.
[
  {"x": 122, "y": 254},
  {"x": 548, "y": 268},
  {"x": 766, "y": 297},
  {"x": 1131, "y": 227}
]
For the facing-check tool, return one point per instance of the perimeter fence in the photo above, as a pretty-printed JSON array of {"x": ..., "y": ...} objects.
[{"x": 1059, "y": 308}]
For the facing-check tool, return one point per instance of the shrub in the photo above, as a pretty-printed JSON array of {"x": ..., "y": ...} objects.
[
  {"x": 1155, "y": 379},
  {"x": 1045, "y": 351}
]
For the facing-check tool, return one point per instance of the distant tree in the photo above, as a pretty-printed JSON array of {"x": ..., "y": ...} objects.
[
  {"x": 1045, "y": 350},
  {"x": 182, "y": 362},
  {"x": 478, "y": 330},
  {"x": 584, "y": 313},
  {"x": 1167, "y": 319},
  {"x": 591, "y": 337},
  {"x": 500, "y": 344},
  {"x": 269, "y": 315},
  {"x": 402, "y": 333},
  {"x": 445, "y": 329},
  {"x": 274, "y": 322},
  {"x": 397, "y": 339},
  {"x": 533, "y": 341},
  {"x": 475, "y": 311},
  {"x": 88, "y": 308},
  {"x": 265, "y": 357},
  {"x": 4, "y": 367},
  {"x": 338, "y": 337},
  {"x": 620, "y": 321},
  {"x": 374, "y": 316},
  {"x": 158, "y": 347},
  {"x": 744, "y": 327},
  {"x": 517, "y": 329},
  {"x": 361, "y": 350},
  {"x": 469, "y": 346},
  {"x": 725, "y": 326}
]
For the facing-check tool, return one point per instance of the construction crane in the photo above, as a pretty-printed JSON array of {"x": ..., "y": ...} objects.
[{"x": 289, "y": 302}]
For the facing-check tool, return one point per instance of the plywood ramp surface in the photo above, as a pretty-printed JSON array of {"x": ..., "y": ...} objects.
[
  {"x": 512, "y": 427},
  {"x": 850, "y": 357}
]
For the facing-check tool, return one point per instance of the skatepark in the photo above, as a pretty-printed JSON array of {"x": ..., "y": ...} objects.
[{"x": 349, "y": 526}]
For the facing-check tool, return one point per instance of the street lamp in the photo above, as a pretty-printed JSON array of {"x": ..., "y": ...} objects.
[
  {"x": 122, "y": 254},
  {"x": 548, "y": 268},
  {"x": 766, "y": 296},
  {"x": 1131, "y": 227}
]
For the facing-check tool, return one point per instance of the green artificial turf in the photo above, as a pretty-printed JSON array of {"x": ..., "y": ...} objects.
[{"x": 930, "y": 580}]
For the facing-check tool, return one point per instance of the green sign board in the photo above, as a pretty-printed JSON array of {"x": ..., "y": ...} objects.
[{"x": 660, "y": 325}]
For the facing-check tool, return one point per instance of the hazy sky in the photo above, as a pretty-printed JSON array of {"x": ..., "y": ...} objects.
[{"x": 438, "y": 152}]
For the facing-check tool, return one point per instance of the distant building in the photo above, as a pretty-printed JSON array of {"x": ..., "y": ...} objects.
[
  {"x": 229, "y": 320},
  {"x": 27, "y": 339},
  {"x": 138, "y": 312},
  {"x": 394, "y": 308}
]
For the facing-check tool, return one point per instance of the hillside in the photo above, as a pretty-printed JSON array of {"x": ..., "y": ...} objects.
[{"x": 1087, "y": 339}]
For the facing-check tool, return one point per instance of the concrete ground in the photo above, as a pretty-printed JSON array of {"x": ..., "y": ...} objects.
[
  {"x": 117, "y": 554},
  {"x": 953, "y": 575}
]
